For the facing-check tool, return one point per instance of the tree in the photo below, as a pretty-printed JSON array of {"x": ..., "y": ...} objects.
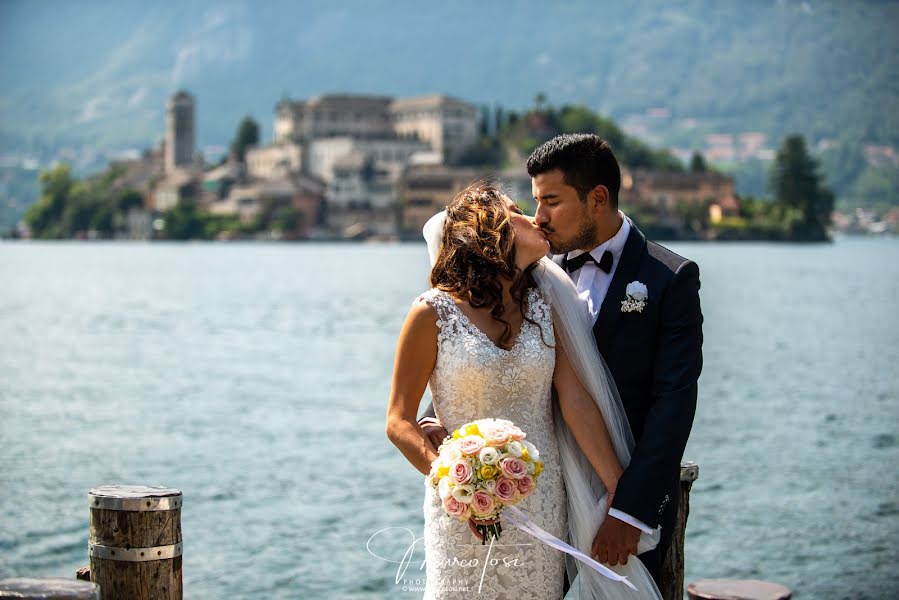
[
  {"x": 578, "y": 119},
  {"x": 498, "y": 120},
  {"x": 128, "y": 199},
  {"x": 184, "y": 222},
  {"x": 697, "y": 163},
  {"x": 43, "y": 216},
  {"x": 247, "y": 135},
  {"x": 876, "y": 188},
  {"x": 484, "y": 121},
  {"x": 485, "y": 152},
  {"x": 796, "y": 184}
]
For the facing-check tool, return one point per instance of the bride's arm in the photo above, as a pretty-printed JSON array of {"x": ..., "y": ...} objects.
[
  {"x": 416, "y": 354},
  {"x": 585, "y": 422}
]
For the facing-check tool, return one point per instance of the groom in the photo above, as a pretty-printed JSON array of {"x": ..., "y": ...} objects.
[{"x": 644, "y": 302}]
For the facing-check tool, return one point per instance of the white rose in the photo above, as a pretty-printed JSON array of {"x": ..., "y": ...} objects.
[
  {"x": 450, "y": 453},
  {"x": 463, "y": 493},
  {"x": 637, "y": 291},
  {"x": 489, "y": 455},
  {"x": 514, "y": 448},
  {"x": 443, "y": 488},
  {"x": 531, "y": 467},
  {"x": 533, "y": 453},
  {"x": 489, "y": 486}
]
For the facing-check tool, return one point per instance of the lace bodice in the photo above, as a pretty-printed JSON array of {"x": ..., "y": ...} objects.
[{"x": 474, "y": 378}]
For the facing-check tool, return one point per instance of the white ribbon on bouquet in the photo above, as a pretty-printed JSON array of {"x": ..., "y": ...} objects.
[{"x": 522, "y": 521}]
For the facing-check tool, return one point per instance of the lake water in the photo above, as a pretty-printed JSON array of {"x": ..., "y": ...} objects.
[{"x": 254, "y": 378}]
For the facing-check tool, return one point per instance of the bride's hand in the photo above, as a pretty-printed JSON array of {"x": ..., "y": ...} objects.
[{"x": 473, "y": 526}]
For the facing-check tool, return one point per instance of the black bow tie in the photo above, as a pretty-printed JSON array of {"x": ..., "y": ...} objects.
[{"x": 573, "y": 264}]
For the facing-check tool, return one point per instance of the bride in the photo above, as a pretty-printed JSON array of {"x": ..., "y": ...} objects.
[{"x": 499, "y": 330}]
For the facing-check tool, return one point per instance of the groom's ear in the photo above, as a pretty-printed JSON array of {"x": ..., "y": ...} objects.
[{"x": 598, "y": 198}]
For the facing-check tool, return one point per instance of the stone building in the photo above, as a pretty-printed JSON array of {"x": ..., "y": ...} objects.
[
  {"x": 516, "y": 183},
  {"x": 179, "y": 132},
  {"x": 217, "y": 182},
  {"x": 360, "y": 199},
  {"x": 300, "y": 194},
  {"x": 449, "y": 125},
  {"x": 423, "y": 190},
  {"x": 333, "y": 115},
  {"x": 277, "y": 160},
  {"x": 390, "y": 153},
  {"x": 671, "y": 196},
  {"x": 173, "y": 190}
]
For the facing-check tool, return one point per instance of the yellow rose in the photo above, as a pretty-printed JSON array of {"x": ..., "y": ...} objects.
[
  {"x": 538, "y": 467},
  {"x": 472, "y": 429},
  {"x": 524, "y": 454},
  {"x": 442, "y": 471},
  {"x": 487, "y": 472},
  {"x": 456, "y": 434}
]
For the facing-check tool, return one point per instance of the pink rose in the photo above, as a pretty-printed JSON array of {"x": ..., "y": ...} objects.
[
  {"x": 506, "y": 489},
  {"x": 481, "y": 503},
  {"x": 526, "y": 485},
  {"x": 471, "y": 444},
  {"x": 497, "y": 434},
  {"x": 460, "y": 471},
  {"x": 516, "y": 434},
  {"x": 513, "y": 467},
  {"x": 454, "y": 508}
]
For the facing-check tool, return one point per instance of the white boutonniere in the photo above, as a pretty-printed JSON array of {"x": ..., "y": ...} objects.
[{"x": 636, "y": 297}]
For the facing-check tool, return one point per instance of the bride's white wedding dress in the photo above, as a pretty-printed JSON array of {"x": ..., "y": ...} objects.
[{"x": 474, "y": 379}]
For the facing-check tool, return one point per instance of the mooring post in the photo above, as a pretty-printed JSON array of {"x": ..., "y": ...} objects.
[
  {"x": 737, "y": 589},
  {"x": 53, "y": 588},
  {"x": 673, "y": 566},
  {"x": 135, "y": 542}
]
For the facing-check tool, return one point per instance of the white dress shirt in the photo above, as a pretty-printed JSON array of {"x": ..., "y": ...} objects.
[
  {"x": 592, "y": 285},
  {"x": 591, "y": 281}
]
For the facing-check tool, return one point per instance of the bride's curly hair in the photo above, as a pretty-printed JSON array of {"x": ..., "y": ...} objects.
[{"x": 478, "y": 251}]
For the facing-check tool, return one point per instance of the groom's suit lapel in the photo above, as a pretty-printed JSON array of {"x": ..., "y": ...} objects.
[{"x": 610, "y": 311}]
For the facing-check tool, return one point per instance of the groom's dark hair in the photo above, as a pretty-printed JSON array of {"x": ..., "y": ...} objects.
[{"x": 586, "y": 161}]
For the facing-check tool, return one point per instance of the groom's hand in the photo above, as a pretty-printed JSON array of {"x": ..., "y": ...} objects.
[
  {"x": 615, "y": 541},
  {"x": 435, "y": 433}
]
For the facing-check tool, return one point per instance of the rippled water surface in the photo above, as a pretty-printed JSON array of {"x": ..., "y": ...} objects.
[{"x": 254, "y": 378}]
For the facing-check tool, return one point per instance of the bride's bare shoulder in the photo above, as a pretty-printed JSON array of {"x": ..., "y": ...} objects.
[{"x": 422, "y": 316}]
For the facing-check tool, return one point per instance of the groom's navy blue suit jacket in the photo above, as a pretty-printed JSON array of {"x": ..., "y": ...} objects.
[{"x": 655, "y": 357}]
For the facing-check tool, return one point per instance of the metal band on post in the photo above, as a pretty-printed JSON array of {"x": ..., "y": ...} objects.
[
  {"x": 135, "y": 554},
  {"x": 135, "y": 504},
  {"x": 689, "y": 471}
]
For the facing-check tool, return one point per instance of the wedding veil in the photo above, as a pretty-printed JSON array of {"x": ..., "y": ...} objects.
[{"x": 587, "y": 496}]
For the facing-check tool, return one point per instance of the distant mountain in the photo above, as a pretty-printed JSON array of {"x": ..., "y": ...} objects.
[{"x": 94, "y": 76}]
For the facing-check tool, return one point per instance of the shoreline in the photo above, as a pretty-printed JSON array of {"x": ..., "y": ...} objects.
[{"x": 401, "y": 241}]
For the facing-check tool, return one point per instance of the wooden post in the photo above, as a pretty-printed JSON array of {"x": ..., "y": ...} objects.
[
  {"x": 135, "y": 542},
  {"x": 48, "y": 589},
  {"x": 673, "y": 566}
]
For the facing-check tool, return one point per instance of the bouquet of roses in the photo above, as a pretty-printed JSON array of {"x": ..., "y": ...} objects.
[{"x": 485, "y": 466}]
